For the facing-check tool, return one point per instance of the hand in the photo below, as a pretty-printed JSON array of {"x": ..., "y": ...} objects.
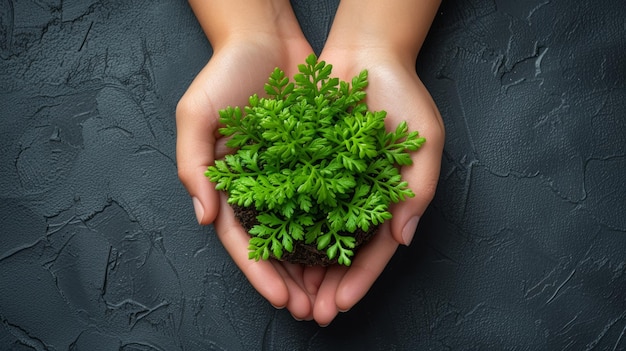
[
  {"x": 263, "y": 35},
  {"x": 238, "y": 68},
  {"x": 394, "y": 87}
]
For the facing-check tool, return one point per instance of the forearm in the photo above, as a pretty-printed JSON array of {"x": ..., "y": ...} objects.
[
  {"x": 224, "y": 20},
  {"x": 397, "y": 27}
]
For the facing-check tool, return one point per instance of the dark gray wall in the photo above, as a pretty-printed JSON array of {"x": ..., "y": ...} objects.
[{"x": 524, "y": 246}]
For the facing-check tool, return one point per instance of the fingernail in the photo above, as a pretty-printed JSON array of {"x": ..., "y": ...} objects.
[
  {"x": 197, "y": 207},
  {"x": 409, "y": 230},
  {"x": 277, "y": 307}
]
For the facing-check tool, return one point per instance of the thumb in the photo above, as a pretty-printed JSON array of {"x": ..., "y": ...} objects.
[
  {"x": 195, "y": 150},
  {"x": 422, "y": 177}
]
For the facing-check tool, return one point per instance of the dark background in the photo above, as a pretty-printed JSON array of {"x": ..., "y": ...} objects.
[{"x": 523, "y": 247}]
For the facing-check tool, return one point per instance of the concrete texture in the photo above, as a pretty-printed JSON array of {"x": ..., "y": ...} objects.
[{"x": 524, "y": 246}]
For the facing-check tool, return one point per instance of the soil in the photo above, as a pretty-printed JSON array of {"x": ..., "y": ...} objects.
[{"x": 303, "y": 253}]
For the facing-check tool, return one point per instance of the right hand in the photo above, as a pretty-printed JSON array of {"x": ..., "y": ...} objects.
[{"x": 237, "y": 70}]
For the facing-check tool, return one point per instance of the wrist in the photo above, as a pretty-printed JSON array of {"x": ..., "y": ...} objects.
[
  {"x": 349, "y": 59},
  {"x": 370, "y": 49},
  {"x": 246, "y": 20},
  {"x": 394, "y": 29}
]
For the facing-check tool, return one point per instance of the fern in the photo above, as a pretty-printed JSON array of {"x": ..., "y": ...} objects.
[{"x": 317, "y": 165}]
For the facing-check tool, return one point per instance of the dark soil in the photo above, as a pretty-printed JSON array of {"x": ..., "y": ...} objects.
[{"x": 306, "y": 254}]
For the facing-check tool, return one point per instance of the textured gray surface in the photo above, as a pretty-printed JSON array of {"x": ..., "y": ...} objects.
[{"x": 524, "y": 246}]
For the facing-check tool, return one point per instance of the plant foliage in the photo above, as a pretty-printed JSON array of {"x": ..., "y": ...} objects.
[{"x": 314, "y": 161}]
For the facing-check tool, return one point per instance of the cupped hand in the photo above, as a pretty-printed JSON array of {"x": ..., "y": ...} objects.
[
  {"x": 238, "y": 69},
  {"x": 394, "y": 87}
]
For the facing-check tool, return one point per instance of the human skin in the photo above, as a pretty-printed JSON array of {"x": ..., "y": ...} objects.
[
  {"x": 246, "y": 48},
  {"x": 381, "y": 36},
  {"x": 385, "y": 38}
]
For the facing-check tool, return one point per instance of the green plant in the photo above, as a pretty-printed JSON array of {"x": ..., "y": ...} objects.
[{"x": 314, "y": 161}]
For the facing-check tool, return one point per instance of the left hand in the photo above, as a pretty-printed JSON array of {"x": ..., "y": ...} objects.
[{"x": 394, "y": 87}]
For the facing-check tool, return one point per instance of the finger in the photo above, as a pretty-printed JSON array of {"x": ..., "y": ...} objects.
[
  {"x": 297, "y": 273},
  {"x": 195, "y": 140},
  {"x": 261, "y": 274},
  {"x": 294, "y": 271},
  {"x": 221, "y": 149},
  {"x": 422, "y": 177},
  {"x": 299, "y": 304},
  {"x": 197, "y": 121},
  {"x": 313, "y": 277},
  {"x": 367, "y": 265},
  {"x": 325, "y": 308}
]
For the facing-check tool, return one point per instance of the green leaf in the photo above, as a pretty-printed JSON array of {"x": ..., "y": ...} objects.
[
  {"x": 288, "y": 208},
  {"x": 286, "y": 243},
  {"x": 314, "y": 232},
  {"x": 221, "y": 175},
  {"x": 258, "y": 248},
  {"x": 305, "y": 220},
  {"x": 296, "y": 231},
  {"x": 344, "y": 258},
  {"x": 348, "y": 241},
  {"x": 305, "y": 202},
  {"x": 351, "y": 163},
  {"x": 315, "y": 162},
  {"x": 359, "y": 82},
  {"x": 331, "y": 252},
  {"x": 337, "y": 218},
  {"x": 311, "y": 60},
  {"x": 323, "y": 241},
  {"x": 265, "y": 254},
  {"x": 270, "y": 219}
]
